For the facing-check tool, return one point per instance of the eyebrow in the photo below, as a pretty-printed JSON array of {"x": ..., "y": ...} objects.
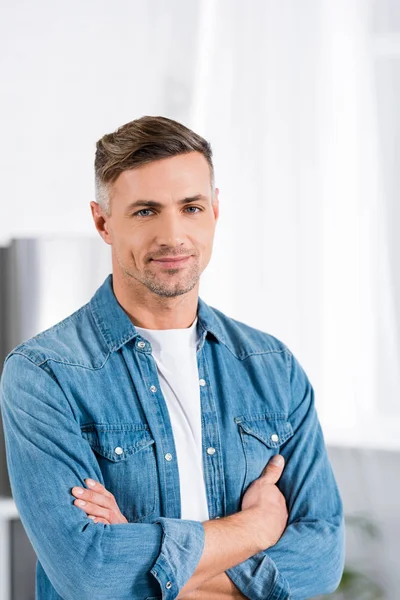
[{"x": 155, "y": 204}]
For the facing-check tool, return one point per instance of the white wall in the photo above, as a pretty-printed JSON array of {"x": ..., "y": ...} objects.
[{"x": 71, "y": 72}]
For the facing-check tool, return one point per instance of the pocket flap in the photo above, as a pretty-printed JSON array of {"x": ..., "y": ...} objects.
[
  {"x": 270, "y": 429},
  {"x": 117, "y": 442}
]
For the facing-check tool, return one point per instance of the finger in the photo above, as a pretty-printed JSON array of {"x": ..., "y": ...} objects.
[
  {"x": 92, "y": 509},
  {"x": 99, "y": 520},
  {"x": 94, "y": 497},
  {"x": 97, "y": 487},
  {"x": 273, "y": 470}
]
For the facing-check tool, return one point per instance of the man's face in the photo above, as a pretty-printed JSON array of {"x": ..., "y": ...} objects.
[{"x": 179, "y": 225}]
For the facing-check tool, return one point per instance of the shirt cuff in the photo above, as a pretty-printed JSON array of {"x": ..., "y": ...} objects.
[
  {"x": 181, "y": 549},
  {"x": 259, "y": 579}
]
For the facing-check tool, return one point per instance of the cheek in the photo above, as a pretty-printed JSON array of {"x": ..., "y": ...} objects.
[
  {"x": 132, "y": 244},
  {"x": 207, "y": 241},
  {"x": 128, "y": 253},
  {"x": 205, "y": 236},
  {"x": 204, "y": 249}
]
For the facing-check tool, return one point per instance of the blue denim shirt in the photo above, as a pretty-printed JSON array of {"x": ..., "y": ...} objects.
[{"x": 74, "y": 393}]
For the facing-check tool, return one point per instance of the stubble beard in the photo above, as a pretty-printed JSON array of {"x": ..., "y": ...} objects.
[{"x": 167, "y": 283}]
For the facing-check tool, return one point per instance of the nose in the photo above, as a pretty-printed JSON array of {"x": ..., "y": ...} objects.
[{"x": 171, "y": 231}]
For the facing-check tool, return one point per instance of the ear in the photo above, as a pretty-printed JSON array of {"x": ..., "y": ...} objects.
[
  {"x": 216, "y": 204},
  {"x": 101, "y": 222}
]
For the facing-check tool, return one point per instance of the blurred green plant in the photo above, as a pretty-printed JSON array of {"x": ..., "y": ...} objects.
[{"x": 357, "y": 583}]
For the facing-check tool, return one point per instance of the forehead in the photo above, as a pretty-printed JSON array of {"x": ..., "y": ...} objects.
[{"x": 185, "y": 174}]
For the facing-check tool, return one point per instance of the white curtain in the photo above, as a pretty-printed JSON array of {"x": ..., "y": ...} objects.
[{"x": 287, "y": 93}]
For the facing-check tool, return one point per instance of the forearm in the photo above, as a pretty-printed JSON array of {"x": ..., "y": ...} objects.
[
  {"x": 228, "y": 542},
  {"x": 219, "y": 587}
]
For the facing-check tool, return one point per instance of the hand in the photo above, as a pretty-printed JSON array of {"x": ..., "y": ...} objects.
[
  {"x": 267, "y": 504},
  {"x": 100, "y": 504}
]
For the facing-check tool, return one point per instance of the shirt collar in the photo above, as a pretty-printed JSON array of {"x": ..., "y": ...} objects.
[{"x": 117, "y": 329}]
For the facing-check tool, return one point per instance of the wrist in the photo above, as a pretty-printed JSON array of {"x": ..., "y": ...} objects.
[{"x": 256, "y": 524}]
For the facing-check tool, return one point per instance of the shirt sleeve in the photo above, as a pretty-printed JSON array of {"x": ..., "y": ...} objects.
[
  {"x": 308, "y": 559},
  {"x": 46, "y": 457}
]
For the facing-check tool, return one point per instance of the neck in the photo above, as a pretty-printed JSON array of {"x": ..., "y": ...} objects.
[{"x": 150, "y": 311}]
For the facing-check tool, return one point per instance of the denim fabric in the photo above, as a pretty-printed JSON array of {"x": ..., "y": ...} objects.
[{"x": 74, "y": 393}]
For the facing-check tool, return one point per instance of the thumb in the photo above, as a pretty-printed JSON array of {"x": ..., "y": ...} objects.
[{"x": 273, "y": 470}]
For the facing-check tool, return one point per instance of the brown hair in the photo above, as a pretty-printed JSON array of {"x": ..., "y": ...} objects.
[{"x": 139, "y": 142}]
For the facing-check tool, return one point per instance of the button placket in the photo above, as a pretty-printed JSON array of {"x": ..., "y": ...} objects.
[
  {"x": 155, "y": 411},
  {"x": 213, "y": 466}
]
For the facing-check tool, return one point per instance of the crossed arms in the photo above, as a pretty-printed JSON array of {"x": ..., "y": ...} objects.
[
  {"x": 228, "y": 542},
  {"x": 47, "y": 457}
]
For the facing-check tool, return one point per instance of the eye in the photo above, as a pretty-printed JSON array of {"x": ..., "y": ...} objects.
[
  {"x": 140, "y": 211},
  {"x": 194, "y": 207},
  {"x": 146, "y": 210}
]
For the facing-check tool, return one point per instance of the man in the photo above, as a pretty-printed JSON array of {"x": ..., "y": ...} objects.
[{"x": 161, "y": 413}]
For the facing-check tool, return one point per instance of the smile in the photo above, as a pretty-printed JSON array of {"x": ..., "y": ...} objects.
[{"x": 176, "y": 263}]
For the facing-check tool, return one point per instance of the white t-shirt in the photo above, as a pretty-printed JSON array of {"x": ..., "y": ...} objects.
[{"x": 174, "y": 351}]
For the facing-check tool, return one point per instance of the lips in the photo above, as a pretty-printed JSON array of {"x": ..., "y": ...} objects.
[
  {"x": 172, "y": 262},
  {"x": 170, "y": 259}
]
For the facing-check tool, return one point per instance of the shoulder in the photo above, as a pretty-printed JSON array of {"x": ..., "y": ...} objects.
[
  {"x": 75, "y": 340},
  {"x": 243, "y": 339}
]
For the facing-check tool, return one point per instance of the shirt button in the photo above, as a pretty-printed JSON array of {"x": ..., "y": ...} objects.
[
  {"x": 168, "y": 585},
  {"x": 118, "y": 450},
  {"x": 141, "y": 344},
  {"x": 153, "y": 388},
  {"x": 202, "y": 381},
  {"x": 211, "y": 450},
  {"x": 168, "y": 456},
  {"x": 274, "y": 437}
]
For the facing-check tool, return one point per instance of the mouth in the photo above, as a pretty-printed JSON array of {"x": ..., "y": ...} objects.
[{"x": 172, "y": 262}]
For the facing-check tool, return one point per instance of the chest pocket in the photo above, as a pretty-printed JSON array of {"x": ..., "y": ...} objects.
[
  {"x": 262, "y": 436},
  {"x": 127, "y": 460}
]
